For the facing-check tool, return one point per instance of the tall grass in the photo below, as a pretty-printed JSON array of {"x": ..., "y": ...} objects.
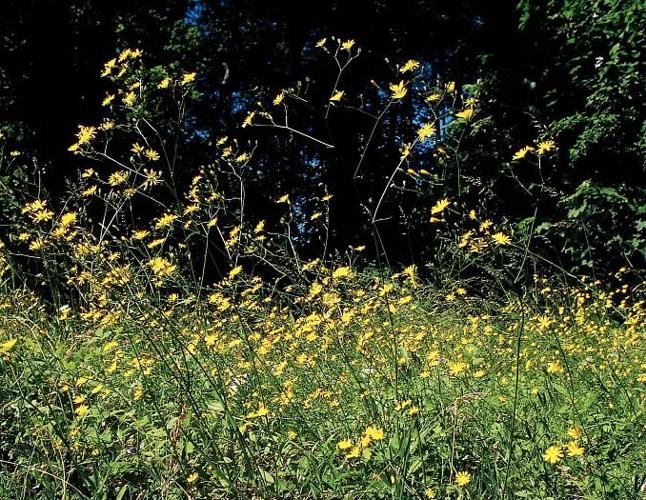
[{"x": 126, "y": 372}]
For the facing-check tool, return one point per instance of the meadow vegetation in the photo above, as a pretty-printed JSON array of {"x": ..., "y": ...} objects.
[{"x": 158, "y": 341}]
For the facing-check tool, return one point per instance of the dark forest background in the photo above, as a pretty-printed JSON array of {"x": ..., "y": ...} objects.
[{"x": 567, "y": 70}]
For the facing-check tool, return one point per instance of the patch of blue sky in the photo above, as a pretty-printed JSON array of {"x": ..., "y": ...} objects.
[{"x": 194, "y": 13}]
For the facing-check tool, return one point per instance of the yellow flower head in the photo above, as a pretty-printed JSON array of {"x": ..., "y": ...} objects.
[
  {"x": 235, "y": 271},
  {"x": 81, "y": 410},
  {"x": 7, "y": 346},
  {"x": 85, "y": 134},
  {"x": 188, "y": 78},
  {"x": 248, "y": 120},
  {"x": 426, "y": 131},
  {"x": 164, "y": 84},
  {"x": 374, "y": 433},
  {"x": 410, "y": 65},
  {"x": 67, "y": 219},
  {"x": 546, "y": 147},
  {"x": 405, "y": 150},
  {"x": 462, "y": 478},
  {"x": 161, "y": 267},
  {"x": 398, "y": 90},
  {"x": 574, "y": 432},
  {"x": 465, "y": 114},
  {"x": 165, "y": 220},
  {"x": 440, "y": 206},
  {"x": 108, "y": 67},
  {"x": 501, "y": 239},
  {"x": 574, "y": 450},
  {"x": 152, "y": 154},
  {"x": 342, "y": 272},
  {"x": 118, "y": 178},
  {"x": 554, "y": 367},
  {"x": 129, "y": 99},
  {"x": 553, "y": 454},
  {"x": 522, "y": 152},
  {"x": 344, "y": 445}
]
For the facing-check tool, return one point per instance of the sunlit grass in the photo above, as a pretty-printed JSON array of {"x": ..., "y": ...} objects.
[{"x": 359, "y": 388}]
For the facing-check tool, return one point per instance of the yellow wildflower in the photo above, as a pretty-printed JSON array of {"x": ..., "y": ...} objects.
[
  {"x": 165, "y": 220},
  {"x": 374, "y": 433},
  {"x": 129, "y": 99},
  {"x": 485, "y": 225},
  {"x": 462, "y": 478},
  {"x": 344, "y": 445},
  {"x": 152, "y": 154},
  {"x": 410, "y": 65},
  {"x": 140, "y": 234},
  {"x": 81, "y": 410},
  {"x": 457, "y": 368},
  {"x": 42, "y": 215},
  {"x": 465, "y": 114},
  {"x": 118, "y": 178},
  {"x": 574, "y": 432},
  {"x": 341, "y": 272},
  {"x": 85, "y": 134},
  {"x": 405, "y": 150},
  {"x": 440, "y": 206},
  {"x": 522, "y": 152},
  {"x": 426, "y": 131},
  {"x": 161, "y": 267},
  {"x": 554, "y": 367},
  {"x": 248, "y": 120},
  {"x": 398, "y": 90},
  {"x": 235, "y": 271},
  {"x": 553, "y": 454},
  {"x": 574, "y": 450},
  {"x": 546, "y": 147},
  {"x": 7, "y": 346},
  {"x": 501, "y": 239},
  {"x": 67, "y": 219},
  {"x": 188, "y": 78},
  {"x": 108, "y": 67}
]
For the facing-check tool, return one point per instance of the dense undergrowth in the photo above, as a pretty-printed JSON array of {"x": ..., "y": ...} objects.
[
  {"x": 360, "y": 387},
  {"x": 126, "y": 372}
]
